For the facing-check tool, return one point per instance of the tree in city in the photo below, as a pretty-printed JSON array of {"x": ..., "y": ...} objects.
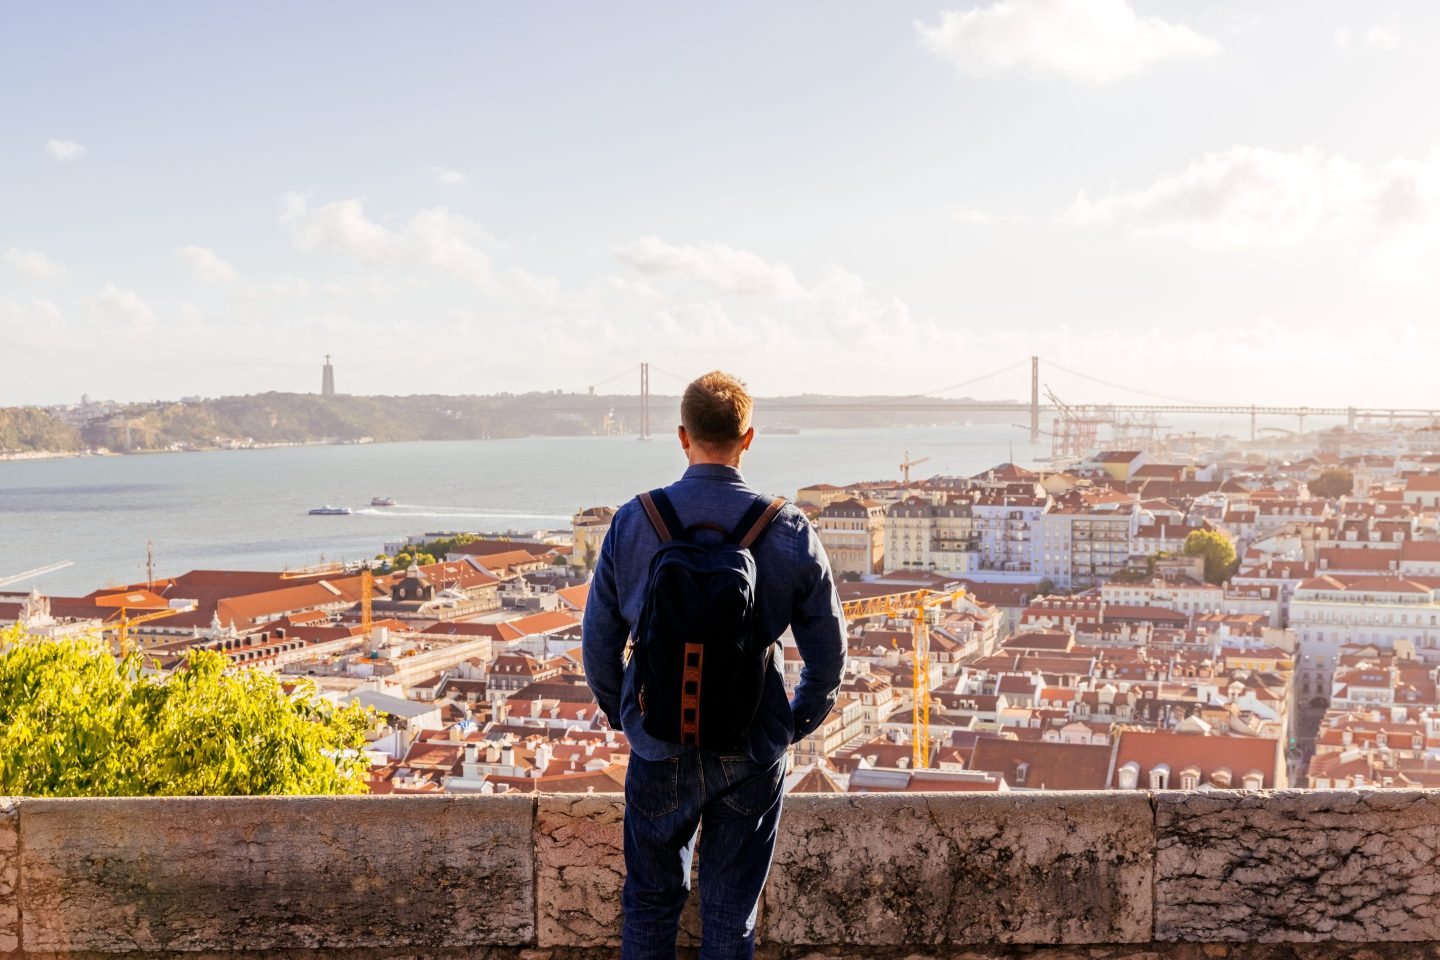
[
  {"x": 76, "y": 721},
  {"x": 1332, "y": 483},
  {"x": 1216, "y": 549}
]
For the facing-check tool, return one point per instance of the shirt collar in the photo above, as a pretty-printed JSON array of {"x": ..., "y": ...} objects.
[{"x": 713, "y": 471}]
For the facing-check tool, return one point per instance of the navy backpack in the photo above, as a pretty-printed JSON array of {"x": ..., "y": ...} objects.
[{"x": 700, "y": 660}]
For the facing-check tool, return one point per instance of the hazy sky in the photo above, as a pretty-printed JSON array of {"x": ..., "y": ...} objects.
[{"x": 1197, "y": 200}]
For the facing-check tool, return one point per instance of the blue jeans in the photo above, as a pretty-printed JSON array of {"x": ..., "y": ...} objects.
[{"x": 735, "y": 802}]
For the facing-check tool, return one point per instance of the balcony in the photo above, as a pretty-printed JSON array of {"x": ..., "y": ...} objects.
[{"x": 1123, "y": 874}]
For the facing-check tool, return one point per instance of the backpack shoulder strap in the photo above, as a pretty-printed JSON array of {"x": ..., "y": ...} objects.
[
  {"x": 662, "y": 515},
  {"x": 756, "y": 521}
]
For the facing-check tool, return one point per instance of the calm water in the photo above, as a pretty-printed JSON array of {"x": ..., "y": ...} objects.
[{"x": 246, "y": 509}]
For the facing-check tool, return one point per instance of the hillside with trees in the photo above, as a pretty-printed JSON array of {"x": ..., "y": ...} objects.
[
  {"x": 29, "y": 430},
  {"x": 276, "y": 418}
]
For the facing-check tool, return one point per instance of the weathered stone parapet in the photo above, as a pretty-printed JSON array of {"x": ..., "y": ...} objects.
[
  {"x": 963, "y": 868},
  {"x": 176, "y": 875},
  {"x": 9, "y": 877},
  {"x": 1352, "y": 866},
  {"x": 1340, "y": 875}
]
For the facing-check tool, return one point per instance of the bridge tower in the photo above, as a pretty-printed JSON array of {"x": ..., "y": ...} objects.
[
  {"x": 1034, "y": 399},
  {"x": 644, "y": 401}
]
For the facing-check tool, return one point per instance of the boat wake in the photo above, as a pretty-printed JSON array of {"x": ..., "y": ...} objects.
[{"x": 456, "y": 513}]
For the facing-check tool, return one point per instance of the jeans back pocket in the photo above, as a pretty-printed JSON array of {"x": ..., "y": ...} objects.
[{"x": 652, "y": 787}]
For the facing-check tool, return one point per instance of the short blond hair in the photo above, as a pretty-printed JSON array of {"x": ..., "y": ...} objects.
[{"x": 715, "y": 409}]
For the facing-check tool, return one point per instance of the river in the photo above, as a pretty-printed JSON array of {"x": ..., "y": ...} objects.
[{"x": 246, "y": 509}]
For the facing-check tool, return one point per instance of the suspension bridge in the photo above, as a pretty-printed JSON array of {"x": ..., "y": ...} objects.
[{"x": 1075, "y": 424}]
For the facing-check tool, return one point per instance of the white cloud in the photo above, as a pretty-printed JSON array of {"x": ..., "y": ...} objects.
[
  {"x": 33, "y": 264},
  {"x": 1381, "y": 38},
  {"x": 64, "y": 150},
  {"x": 763, "y": 303},
  {"x": 450, "y": 178},
  {"x": 293, "y": 288},
  {"x": 117, "y": 305},
  {"x": 434, "y": 237},
  {"x": 33, "y": 323},
  {"x": 371, "y": 287},
  {"x": 637, "y": 291},
  {"x": 1252, "y": 197},
  {"x": 206, "y": 265},
  {"x": 1090, "y": 40},
  {"x": 722, "y": 267},
  {"x": 1376, "y": 38}
]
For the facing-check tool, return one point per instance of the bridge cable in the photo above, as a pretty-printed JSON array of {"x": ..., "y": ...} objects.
[
  {"x": 956, "y": 386},
  {"x": 674, "y": 376},
  {"x": 1117, "y": 386},
  {"x": 630, "y": 371}
]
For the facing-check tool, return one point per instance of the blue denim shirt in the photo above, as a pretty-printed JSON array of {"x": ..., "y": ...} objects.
[{"x": 795, "y": 590}]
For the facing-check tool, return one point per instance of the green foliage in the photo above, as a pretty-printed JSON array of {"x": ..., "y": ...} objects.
[
  {"x": 77, "y": 722},
  {"x": 427, "y": 552},
  {"x": 1335, "y": 482},
  {"x": 1218, "y": 551}
]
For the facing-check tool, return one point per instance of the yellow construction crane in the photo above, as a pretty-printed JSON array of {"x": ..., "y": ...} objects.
[
  {"x": 918, "y": 603},
  {"x": 158, "y": 607},
  {"x": 908, "y": 463},
  {"x": 367, "y": 621}
]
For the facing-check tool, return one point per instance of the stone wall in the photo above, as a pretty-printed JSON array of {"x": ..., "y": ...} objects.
[{"x": 1049, "y": 876}]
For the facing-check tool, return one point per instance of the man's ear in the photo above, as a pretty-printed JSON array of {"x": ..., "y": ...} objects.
[
  {"x": 746, "y": 440},
  {"x": 684, "y": 437}
]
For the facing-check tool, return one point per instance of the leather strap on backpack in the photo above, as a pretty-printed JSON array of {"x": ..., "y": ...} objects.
[
  {"x": 761, "y": 523},
  {"x": 662, "y": 515},
  {"x": 756, "y": 521}
]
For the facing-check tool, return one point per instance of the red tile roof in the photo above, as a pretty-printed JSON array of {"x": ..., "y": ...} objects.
[
  {"x": 1052, "y": 766},
  {"x": 1240, "y": 755}
]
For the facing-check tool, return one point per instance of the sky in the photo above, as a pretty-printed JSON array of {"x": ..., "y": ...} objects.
[{"x": 1218, "y": 202}]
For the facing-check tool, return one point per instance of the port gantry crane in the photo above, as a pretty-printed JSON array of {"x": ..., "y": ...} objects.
[{"x": 920, "y": 604}]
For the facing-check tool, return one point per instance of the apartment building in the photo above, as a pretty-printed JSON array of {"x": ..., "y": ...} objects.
[
  {"x": 853, "y": 534},
  {"x": 1389, "y": 613},
  {"x": 923, "y": 535}
]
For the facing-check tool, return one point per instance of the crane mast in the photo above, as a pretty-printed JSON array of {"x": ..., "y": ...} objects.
[
  {"x": 367, "y": 622},
  {"x": 907, "y": 463},
  {"x": 919, "y": 603}
]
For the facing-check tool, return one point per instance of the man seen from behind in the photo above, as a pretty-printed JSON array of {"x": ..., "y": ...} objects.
[{"x": 705, "y": 575}]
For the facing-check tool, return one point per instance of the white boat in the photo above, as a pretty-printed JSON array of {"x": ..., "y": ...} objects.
[
  {"x": 382, "y": 501},
  {"x": 329, "y": 511}
]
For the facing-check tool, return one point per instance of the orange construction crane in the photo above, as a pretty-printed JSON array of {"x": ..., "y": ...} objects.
[
  {"x": 158, "y": 607},
  {"x": 918, "y": 603},
  {"x": 908, "y": 463},
  {"x": 367, "y": 621}
]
